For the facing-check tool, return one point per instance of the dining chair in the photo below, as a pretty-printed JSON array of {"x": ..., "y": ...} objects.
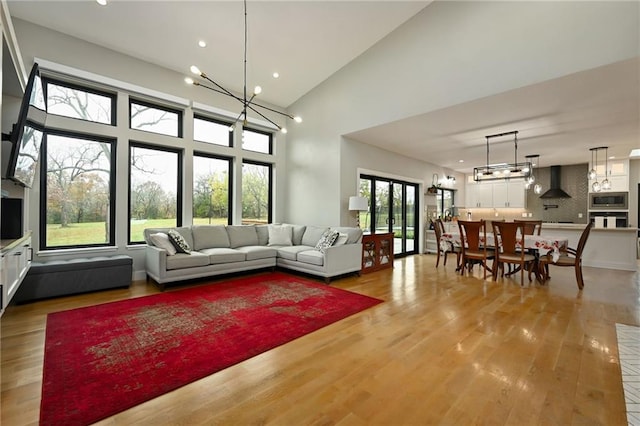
[
  {"x": 531, "y": 227},
  {"x": 445, "y": 247},
  {"x": 506, "y": 235},
  {"x": 473, "y": 235},
  {"x": 569, "y": 257}
]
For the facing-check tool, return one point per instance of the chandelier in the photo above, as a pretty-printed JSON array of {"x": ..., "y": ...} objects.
[
  {"x": 498, "y": 171},
  {"x": 248, "y": 104},
  {"x": 605, "y": 185}
]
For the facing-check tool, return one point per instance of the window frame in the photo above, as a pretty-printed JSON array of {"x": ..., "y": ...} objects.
[
  {"x": 179, "y": 188},
  {"x": 202, "y": 117},
  {"x": 43, "y": 188},
  {"x": 262, "y": 132},
  {"x": 269, "y": 191},
  {"x": 76, "y": 86},
  {"x": 230, "y": 161},
  {"x": 178, "y": 112}
]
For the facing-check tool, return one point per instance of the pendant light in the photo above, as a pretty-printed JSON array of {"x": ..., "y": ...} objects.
[
  {"x": 537, "y": 188},
  {"x": 592, "y": 173},
  {"x": 595, "y": 186},
  {"x": 533, "y": 160},
  {"x": 606, "y": 184}
]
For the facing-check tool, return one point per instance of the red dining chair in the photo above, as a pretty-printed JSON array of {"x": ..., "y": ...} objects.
[
  {"x": 569, "y": 257},
  {"x": 507, "y": 250},
  {"x": 473, "y": 235}
]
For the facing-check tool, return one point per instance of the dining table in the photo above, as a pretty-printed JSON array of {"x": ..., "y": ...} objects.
[{"x": 540, "y": 244}]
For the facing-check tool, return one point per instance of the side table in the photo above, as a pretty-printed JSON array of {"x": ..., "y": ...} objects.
[{"x": 377, "y": 252}]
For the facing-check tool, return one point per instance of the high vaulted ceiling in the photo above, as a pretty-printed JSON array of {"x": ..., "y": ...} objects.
[{"x": 308, "y": 41}]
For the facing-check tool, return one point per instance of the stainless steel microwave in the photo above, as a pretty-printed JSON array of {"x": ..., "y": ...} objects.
[{"x": 609, "y": 201}]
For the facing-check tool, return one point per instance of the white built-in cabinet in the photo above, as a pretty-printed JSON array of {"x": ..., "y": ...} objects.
[
  {"x": 495, "y": 194},
  {"x": 16, "y": 260},
  {"x": 618, "y": 175}
]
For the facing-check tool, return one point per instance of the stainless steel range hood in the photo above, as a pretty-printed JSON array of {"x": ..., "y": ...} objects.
[{"x": 555, "y": 191}]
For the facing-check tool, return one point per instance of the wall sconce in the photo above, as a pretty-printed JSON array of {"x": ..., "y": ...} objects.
[
  {"x": 358, "y": 204},
  {"x": 451, "y": 180}
]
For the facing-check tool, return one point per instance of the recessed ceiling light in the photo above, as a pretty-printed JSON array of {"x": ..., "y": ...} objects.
[
  {"x": 460, "y": 161},
  {"x": 102, "y": 2},
  {"x": 276, "y": 75},
  {"x": 202, "y": 43}
]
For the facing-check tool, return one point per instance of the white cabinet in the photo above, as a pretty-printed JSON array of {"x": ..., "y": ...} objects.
[
  {"x": 479, "y": 194},
  {"x": 509, "y": 194},
  {"x": 500, "y": 194},
  {"x": 618, "y": 175},
  {"x": 16, "y": 260}
]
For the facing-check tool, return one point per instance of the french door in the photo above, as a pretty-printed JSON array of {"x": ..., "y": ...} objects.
[{"x": 392, "y": 208}]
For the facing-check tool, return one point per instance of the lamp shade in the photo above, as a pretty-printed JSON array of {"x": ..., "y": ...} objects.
[{"x": 358, "y": 203}]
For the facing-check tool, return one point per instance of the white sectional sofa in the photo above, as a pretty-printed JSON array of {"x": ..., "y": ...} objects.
[{"x": 219, "y": 249}]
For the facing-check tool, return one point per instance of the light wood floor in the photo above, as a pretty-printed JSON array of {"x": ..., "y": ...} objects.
[{"x": 443, "y": 349}]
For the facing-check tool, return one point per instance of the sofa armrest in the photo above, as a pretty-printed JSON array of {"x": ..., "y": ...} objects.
[
  {"x": 347, "y": 256},
  {"x": 156, "y": 261}
]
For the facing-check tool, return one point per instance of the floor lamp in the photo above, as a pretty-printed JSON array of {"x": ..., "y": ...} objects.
[{"x": 358, "y": 204}]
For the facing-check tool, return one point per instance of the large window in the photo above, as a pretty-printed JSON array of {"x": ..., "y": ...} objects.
[
  {"x": 256, "y": 192},
  {"x": 154, "y": 118},
  {"x": 155, "y": 194},
  {"x": 212, "y": 131},
  {"x": 74, "y": 101},
  {"x": 77, "y": 175},
  {"x": 211, "y": 190}
]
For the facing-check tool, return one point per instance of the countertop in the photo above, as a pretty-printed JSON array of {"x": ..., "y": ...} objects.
[{"x": 580, "y": 226}]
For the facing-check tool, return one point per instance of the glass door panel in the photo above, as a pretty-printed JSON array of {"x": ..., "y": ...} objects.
[
  {"x": 410, "y": 219},
  {"x": 397, "y": 218},
  {"x": 381, "y": 216}
]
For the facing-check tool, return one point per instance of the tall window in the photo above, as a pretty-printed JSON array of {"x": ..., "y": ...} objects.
[
  {"x": 154, "y": 118},
  {"x": 155, "y": 194},
  {"x": 212, "y": 131},
  {"x": 74, "y": 101},
  {"x": 445, "y": 203},
  {"x": 211, "y": 190},
  {"x": 77, "y": 175},
  {"x": 256, "y": 192},
  {"x": 257, "y": 141}
]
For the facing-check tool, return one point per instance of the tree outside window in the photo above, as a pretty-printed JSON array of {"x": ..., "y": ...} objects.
[
  {"x": 256, "y": 192},
  {"x": 211, "y": 190}
]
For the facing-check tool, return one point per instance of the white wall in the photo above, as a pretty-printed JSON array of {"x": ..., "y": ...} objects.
[{"x": 451, "y": 52}]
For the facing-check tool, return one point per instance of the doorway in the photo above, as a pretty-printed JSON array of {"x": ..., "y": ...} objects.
[{"x": 394, "y": 209}]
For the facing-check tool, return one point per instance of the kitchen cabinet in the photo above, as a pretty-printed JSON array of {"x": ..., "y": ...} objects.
[
  {"x": 618, "y": 175},
  {"x": 479, "y": 194},
  {"x": 16, "y": 260},
  {"x": 509, "y": 194}
]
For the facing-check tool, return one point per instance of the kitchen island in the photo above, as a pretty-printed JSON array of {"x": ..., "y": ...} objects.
[{"x": 611, "y": 248}]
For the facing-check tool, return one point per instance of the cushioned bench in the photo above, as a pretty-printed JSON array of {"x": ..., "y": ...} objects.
[{"x": 73, "y": 276}]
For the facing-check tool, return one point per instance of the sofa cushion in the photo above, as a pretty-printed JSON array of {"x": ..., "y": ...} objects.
[
  {"x": 161, "y": 240},
  {"x": 220, "y": 255},
  {"x": 209, "y": 236},
  {"x": 313, "y": 257},
  {"x": 183, "y": 261},
  {"x": 242, "y": 235},
  {"x": 263, "y": 234},
  {"x": 258, "y": 252},
  {"x": 298, "y": 232},
  {"x": 312, "y": 235},
  {"x": 327, "y": 240},
  {"x": 280, "y": 235},
  {"x": 179, "y": 242},
  {"x": 291, "y": 252},
  {"x": 354, "y": 235}
]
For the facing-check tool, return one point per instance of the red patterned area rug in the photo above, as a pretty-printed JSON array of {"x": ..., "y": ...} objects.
[{"x": 104, "y": 359}]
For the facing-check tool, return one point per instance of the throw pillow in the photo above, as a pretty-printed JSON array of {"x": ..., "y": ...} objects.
[
  {"x": 161, "y": 240},
  {"x": 341, "y": 240},
  {"x": 179, "y": 242},
  {"x": 327, "y": 240},
  {"x": 280, "y": 235}
]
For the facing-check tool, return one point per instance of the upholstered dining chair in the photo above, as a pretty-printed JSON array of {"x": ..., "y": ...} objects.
[
  {"x": 445, "y": 247},
  {"x": 473, "y": 235},
  {"x": 507, "y": 252},
  {"x": 569, "y": 257}
]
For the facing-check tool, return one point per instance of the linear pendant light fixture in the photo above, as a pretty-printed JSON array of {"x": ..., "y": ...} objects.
[
  {"x": 247, "y": 103},
  {"x": 500, "y": 171}
]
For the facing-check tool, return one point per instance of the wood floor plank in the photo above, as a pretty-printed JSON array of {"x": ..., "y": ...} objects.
[{"x": 442, "y": 349}]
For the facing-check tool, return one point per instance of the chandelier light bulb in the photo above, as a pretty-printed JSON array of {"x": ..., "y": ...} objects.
[
  {"x": 202, "y": 43},
  {"x": 188, "y": 80},
  {"x": 257, "y": 90},
  {"x": 537, "y": 188},
  {"x": 297, "y": 119},
  {"x": 283, "y": 130},
  {"x": 606, "y": 185},
  {"x": 507, "y": 172},
  {"x": 102, "y": 2}
]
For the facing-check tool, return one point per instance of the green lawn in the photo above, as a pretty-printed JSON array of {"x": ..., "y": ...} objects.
[{"x": 95, "y": 233}]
